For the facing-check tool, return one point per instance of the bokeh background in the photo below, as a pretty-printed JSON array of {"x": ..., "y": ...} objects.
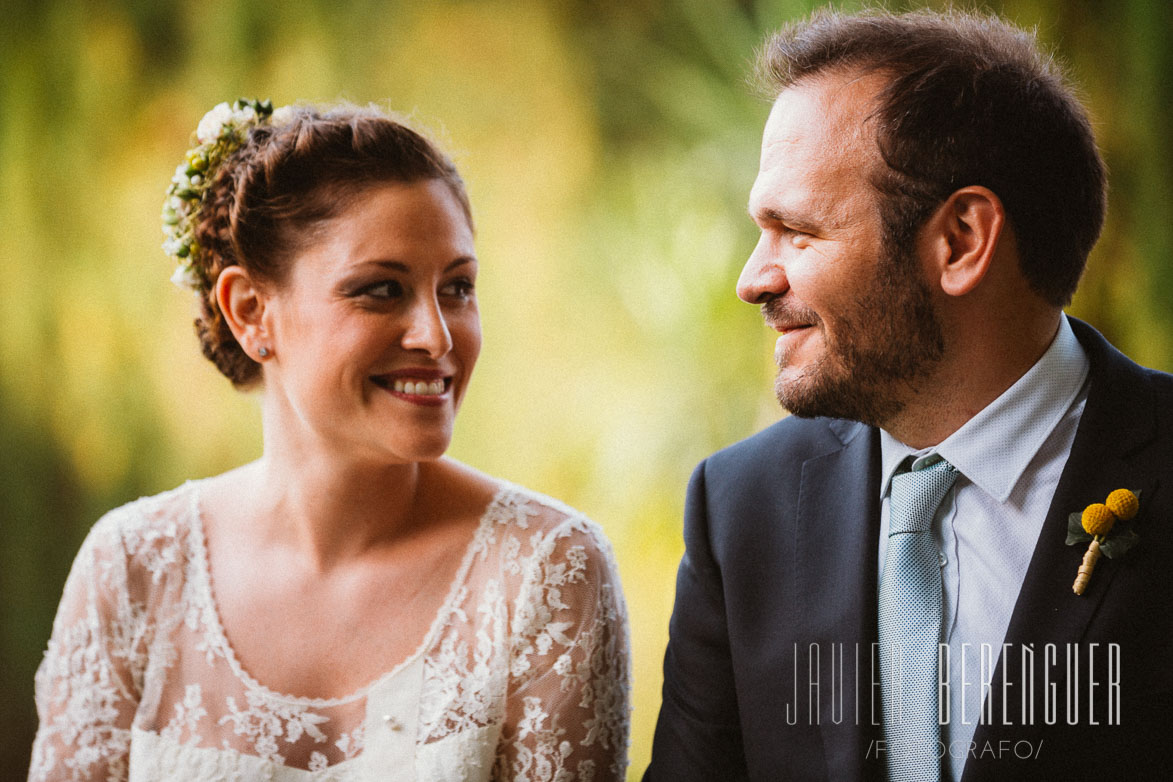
[{"x": 609, "y": 146}]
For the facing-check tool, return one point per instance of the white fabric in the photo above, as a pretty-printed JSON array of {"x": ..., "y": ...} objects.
[
  {"x": 524, "y": 674},
  {"x": 1010, "y": 456}
]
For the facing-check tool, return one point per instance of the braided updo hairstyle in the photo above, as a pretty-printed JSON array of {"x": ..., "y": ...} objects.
[{"x": 266, "y": 199}]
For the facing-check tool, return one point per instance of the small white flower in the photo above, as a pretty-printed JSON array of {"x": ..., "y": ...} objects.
[
  {"x": 172, "y": 245},
  {"x": 186, "y": 277},
  {"x": 245, "y": 116},
  {"x": 281, "y": 116},
  {"x": 213, "y": 123}
]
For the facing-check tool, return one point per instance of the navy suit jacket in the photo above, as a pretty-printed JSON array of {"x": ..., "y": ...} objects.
[{"x": 768, "y": 673}]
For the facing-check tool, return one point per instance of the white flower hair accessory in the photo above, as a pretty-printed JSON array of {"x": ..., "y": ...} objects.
[{"x": 221, "y": 132}]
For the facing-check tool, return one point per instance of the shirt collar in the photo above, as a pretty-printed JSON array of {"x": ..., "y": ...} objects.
[{"x": 994, "y": 448}]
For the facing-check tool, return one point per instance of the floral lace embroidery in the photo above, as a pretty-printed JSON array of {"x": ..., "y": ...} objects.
[
  {"x": 266, "y": 722},
  {"x": 351, "y": 743},
  {"x": 188, "y": 713},
  {"x": 527, "y": 661}
]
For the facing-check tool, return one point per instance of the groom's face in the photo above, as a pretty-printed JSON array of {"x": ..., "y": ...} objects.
[{"x": 855, "y": 315}]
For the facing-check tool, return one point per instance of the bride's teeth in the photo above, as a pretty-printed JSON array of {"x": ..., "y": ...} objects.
[{"x": 418, "y": 387}]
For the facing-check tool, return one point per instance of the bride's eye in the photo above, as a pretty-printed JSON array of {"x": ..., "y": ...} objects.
[
  {"x": 461, "y": 288},
  {"x": 386, "y": 289}
]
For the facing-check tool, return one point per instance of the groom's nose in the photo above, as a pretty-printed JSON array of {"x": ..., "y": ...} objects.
[{"x": 763, "y": 276}]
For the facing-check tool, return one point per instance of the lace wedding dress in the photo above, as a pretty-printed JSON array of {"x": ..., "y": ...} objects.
[{"x": 524, "y": 674}]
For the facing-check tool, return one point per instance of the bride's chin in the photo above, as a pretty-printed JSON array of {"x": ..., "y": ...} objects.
[{"x": 427, "y": 450}]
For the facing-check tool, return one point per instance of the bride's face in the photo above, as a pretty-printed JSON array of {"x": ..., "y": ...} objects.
[{"x": 376, "y": 331}]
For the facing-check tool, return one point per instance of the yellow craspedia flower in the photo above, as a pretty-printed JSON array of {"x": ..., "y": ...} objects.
[
  {"x": 1097, "y": 519},
  {"x": 1123, "y": 503}
]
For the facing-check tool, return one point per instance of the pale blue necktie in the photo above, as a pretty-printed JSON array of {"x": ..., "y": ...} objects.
[{"x": 910, "y": 624}]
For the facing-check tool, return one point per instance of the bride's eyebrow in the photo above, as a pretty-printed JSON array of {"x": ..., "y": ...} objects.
[
  {"x": 399, "y": 266},
  {"x": 461, "y": 261},
  {"x": 395, "y": 266}
]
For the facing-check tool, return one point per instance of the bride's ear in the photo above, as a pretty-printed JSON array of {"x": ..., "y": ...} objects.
[{"x": 242, "y": 302}]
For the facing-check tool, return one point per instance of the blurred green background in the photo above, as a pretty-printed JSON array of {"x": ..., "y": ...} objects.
[{"x": 609, "y": 146}]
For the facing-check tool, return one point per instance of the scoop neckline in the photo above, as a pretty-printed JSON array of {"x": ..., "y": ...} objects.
[{"x": 206, "y": 595}]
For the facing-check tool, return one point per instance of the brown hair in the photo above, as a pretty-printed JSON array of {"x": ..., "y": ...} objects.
[
  {"x": 970, "y": 100},
  {"x": 285, "y": 180}
]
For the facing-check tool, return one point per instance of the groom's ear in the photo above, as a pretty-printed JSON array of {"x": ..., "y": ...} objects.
[
  {"x": 960, "y": 240},
  {"x": 242, "y": 301}
]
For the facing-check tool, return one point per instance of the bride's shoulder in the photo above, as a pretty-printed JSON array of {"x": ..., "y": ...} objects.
[
  {"x": 539, "y": 517},
  {"x": 141, "y": 541},
  {"x": 525, "y": 508},
  {"x": 565, "y": 571},
  {"x": 167, "y": 514},
  {"x": 516, "y": 521}
]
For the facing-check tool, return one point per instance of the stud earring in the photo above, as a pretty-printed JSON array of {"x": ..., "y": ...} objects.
[{"x": 263, "y": 352}]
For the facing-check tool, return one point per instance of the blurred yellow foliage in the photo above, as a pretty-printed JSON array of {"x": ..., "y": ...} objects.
[{"x": 609, "y": 148}]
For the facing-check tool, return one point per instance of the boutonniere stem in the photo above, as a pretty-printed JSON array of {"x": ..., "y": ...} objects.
[{"x": 1090, "y": 558}]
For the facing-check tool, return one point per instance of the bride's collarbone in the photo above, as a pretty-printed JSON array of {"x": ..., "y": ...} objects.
[{"x": 325, "y": 634}]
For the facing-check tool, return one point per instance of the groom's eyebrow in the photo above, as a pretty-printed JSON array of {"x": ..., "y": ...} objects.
[{"x": 774, "y": 217}]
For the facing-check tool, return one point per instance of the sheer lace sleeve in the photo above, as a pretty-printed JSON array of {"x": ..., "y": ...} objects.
[
  {"x": 567, "y": 708},
  {"x": 89, "y": 682}
]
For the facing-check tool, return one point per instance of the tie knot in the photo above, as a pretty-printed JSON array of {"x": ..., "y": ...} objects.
[{"x": 916, "y": 495}]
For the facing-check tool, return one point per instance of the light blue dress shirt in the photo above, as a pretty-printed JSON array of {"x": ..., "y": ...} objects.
[{"x": 1010, "y": 456}]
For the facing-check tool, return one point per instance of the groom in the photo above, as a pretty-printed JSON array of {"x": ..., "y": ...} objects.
[{"x": 879, "y": 586}]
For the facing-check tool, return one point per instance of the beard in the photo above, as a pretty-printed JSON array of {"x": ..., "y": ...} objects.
[{"x": 888, "y": 340}]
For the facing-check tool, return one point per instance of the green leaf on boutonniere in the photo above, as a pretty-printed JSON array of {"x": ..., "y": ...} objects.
[
  {"x": 1119, "y": 542},
  {"x": 1075, "y": 531}
]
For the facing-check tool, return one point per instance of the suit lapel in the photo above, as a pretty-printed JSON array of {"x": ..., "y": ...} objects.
[
  {"x": 835, "y": 573},
  {"x": 1118, "y": 419}
]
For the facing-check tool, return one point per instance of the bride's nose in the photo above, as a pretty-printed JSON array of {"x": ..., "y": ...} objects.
[{"x": 427, "y": 329}]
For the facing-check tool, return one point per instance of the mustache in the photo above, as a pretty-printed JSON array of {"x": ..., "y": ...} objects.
[{"x": 780, "y": 313}]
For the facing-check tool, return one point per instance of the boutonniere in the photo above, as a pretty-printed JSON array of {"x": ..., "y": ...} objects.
[{"x": 1099, "y": 523}]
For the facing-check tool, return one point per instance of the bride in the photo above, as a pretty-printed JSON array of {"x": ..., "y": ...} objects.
[{"x": 352, "y": 605}]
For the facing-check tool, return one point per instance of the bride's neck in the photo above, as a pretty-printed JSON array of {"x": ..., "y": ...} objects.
[{"x": 331, "y": 509}]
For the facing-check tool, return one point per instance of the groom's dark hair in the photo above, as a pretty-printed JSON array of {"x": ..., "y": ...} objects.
[{"x": 970, "y": 100}]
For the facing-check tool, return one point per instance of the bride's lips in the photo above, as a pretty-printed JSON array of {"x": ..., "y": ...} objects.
[{"x": 417, "y": 385}]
